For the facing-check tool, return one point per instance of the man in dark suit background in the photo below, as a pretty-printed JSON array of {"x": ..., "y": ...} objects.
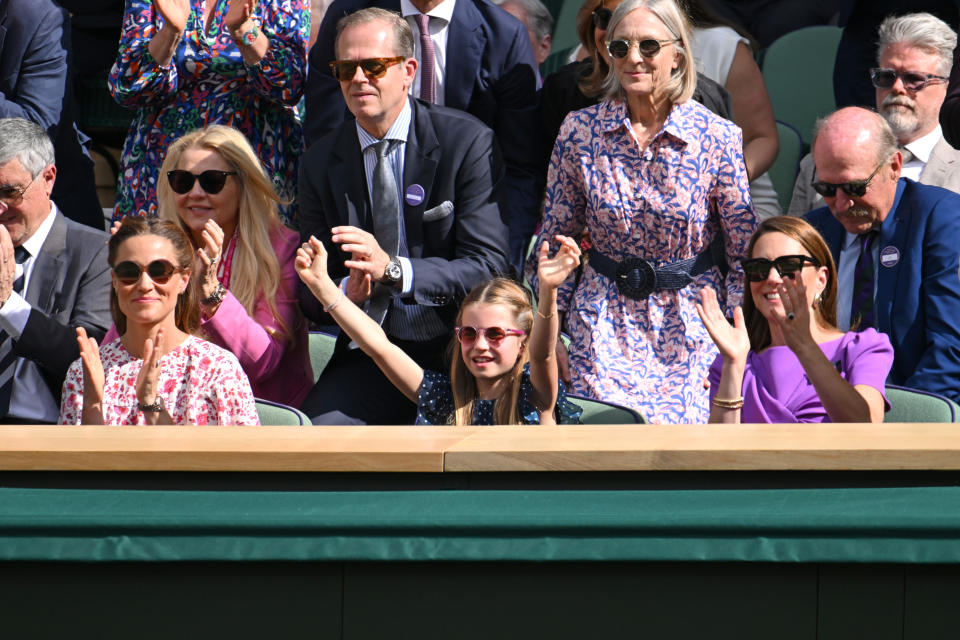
[
  {"x": 482, "y": 63},
  {"x": 35, "y": 84},
  {"x": 53, "y": 278},
  {"x": 406, "y": 199},
  {"x": 895, "y": 246}
]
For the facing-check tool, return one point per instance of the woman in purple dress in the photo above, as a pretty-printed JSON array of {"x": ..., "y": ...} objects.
[
  {"x": 660, "y": 184},
  {"x": 784, "y": 360}
]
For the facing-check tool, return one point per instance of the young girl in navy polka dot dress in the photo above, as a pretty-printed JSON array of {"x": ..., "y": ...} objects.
[{"x": 503, "y": 357}]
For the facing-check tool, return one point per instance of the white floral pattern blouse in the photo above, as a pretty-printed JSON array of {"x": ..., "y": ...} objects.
[{"x": 200, "y": 383}]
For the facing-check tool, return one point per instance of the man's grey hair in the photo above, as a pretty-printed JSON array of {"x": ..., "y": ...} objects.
[
  {"x": 402, "y": 33},
  {"x": 883, "y": 138},
  {"x": 27, "y": 142},
  {"x": 923, "y": 31},
  {"x": 539, "y": 19}
]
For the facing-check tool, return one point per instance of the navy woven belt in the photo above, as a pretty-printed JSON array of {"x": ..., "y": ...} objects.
[{"x": 637, "y": 278}]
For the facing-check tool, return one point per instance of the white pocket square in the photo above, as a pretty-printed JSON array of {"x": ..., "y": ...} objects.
[{"x": 439, "y": 212}]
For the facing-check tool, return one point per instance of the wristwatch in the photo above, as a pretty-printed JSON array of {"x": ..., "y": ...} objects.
[
  {"x": 216, "y": 297},
  {"x": 249, "y": 36},
  {"x": 154, "y": 407},
  {"x": 393, "y": 273}
]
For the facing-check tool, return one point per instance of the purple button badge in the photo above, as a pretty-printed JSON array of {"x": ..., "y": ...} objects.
[{"x": 414, "y": 195}]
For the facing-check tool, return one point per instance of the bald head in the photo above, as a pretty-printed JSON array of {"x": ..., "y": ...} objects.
[{"x": 853, "y": 146}]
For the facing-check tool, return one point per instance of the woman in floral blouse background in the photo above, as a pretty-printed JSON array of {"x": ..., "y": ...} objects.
[
  {"x": 184, "y": 64},
  {"x": 660, "y": 184}
]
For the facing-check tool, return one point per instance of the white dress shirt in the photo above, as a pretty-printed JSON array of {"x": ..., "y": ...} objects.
[{"x": 440, "y": 17}]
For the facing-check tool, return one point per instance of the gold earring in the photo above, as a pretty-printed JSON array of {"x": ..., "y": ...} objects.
[{"x": 817, "y": 299}]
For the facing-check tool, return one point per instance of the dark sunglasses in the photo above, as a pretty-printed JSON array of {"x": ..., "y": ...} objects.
[
  {"x": 601, "y": 18},
  {"x": 211, "y": 180},
  {"x": 855, "y": 188},
  {"x": 757, "y": 269},
  {"x": 912, "y": 80},
  {"x": 648, "y": 48},
  {"x": 373, "y": 68},
  {"x": 494, "y": 335},
  {"x": 160, "y": 271}
]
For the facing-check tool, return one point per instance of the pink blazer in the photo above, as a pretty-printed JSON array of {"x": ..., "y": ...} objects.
[{"x": 278, "y": 369}]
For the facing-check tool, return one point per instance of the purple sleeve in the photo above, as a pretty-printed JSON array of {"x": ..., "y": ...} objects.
[
  {"x": 868, "y": 357},
  {"x": 713, "y": 376}
]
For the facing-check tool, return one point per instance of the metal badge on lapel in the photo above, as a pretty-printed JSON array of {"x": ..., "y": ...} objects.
[
  {"x": 889, "y": 256},
  {"x": 414, "y": 195}
]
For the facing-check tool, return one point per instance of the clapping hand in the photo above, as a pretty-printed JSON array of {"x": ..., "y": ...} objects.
[
  {"x": 238, "y": 13},
  {"x": 174, "y": 12},
  {"x": 732, "y": 341},
  {"x": 149, "y": 376},
  {"x": 8, "y": 265},
  {"x": 794, "y": 320},
  {"x": 552, "y": 272},
  {"x": 209, "y": 255},
  {"x": 93, "y": 376}
]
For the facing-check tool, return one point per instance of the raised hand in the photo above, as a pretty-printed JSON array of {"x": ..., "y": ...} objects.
[
  {"x": 366, "y": 255},
  {"x": 552, "y": 272},
  {"x": 732, "y": 341},
  {"x": 149, "y": 376},
  {"x": 209, "y": 256},
  {"x": 8, "y": 265},
  {"x": 359, "y": 287},
  {"x": 238, "y": 13},
  {"x": 174, "y": 12},
  {"x": 93, "y": 376},
  {"x": 311, "y": 266},
  {"x": 794, "y": 320}
]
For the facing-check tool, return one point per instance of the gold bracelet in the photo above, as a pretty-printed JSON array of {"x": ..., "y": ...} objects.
[
  {"x": 729, "y": 403},
  {"x": 545, "y": 317}
]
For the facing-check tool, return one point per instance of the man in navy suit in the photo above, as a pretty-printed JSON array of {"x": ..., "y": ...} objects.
[
  {"x": 35, "y": 84},
  {"x": 894, "y": 237},
  {"x": 482, "y": 64},
  {"x": 422, "y": 178}
]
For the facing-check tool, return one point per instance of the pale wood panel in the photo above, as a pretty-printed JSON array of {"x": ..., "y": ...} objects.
[
  {"x": 708, "y": 447},
  {"x": 56, "y": 448}
]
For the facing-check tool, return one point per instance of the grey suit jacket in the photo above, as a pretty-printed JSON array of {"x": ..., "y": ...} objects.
[
  {"x": 941, "y": 171},
  {"x": 69, "y": 288}
]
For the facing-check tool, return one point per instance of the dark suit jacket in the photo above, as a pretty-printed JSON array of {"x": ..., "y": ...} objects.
[
  {"x": 918, "y": 297},
  {"x": 455, "y": 159},
  {"x": 35, "y": 85},
  {"x": 69, "y": 288},
  {"x": 490, "y": 73}
]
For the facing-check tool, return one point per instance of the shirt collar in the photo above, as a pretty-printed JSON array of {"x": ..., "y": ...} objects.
[
  {"x": 922, "y": 147},
  {"x": 399, "y": 130},
  {"x": 613, "y": 115},
  {"x": 34, "y": 243},
  {"x": 443, "y": 11}
]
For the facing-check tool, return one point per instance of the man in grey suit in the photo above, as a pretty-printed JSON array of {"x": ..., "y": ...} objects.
[
  {"x": 53, "y": 278},
  {"x": 915, "y": 57}
]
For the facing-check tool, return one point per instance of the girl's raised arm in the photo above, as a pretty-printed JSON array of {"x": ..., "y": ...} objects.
[
  {"x": 405, "y": 374},
  {"x": 551, "y": 272}
]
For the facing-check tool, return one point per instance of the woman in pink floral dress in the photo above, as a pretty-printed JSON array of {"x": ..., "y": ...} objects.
[
  {"x": 157, "y": 372},
  {"x": 659, "y": 183}
]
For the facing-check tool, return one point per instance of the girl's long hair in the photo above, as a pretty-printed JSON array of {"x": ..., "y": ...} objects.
[
  {"x": 255, "y": 269},
  {"x": 504, "y": 292},
  {"x": 187, "y": 311}
]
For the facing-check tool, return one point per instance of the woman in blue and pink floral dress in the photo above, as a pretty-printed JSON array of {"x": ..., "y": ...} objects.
[
  {"x": 185, "y": 64},
  {"x": 650, "y": 174}
]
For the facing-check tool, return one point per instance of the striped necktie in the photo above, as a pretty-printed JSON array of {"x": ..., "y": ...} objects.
[
  {"x": 863, "y": 274},
  {"x": 8, "y": 360}
]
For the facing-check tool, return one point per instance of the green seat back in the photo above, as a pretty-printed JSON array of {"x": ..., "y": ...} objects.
[
  {"x": 321, "y": 349},
  {"x": 913, "y": 405},
  {"x": 275, "y": 414},
  {"x": 798, "y": 72},
  {"x": 600, "y": 412},
  {"x": 565, "y": 28},
  {"x": 783, "y": 173}
]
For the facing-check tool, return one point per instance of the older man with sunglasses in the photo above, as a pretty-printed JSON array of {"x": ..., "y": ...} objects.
[
  {"x": 406, "y": 200},
  {"x": 53, "y": 278},
  {"x": 895, "y": 244},
  {"x": 915, "y": 54}
]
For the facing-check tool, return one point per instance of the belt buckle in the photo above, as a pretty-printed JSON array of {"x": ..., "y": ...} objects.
[{"x": 636, "y": 278}]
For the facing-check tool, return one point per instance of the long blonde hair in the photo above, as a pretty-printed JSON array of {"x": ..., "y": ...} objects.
[
  {"x": 255, "y": 267},
  {"x": 508, "y": 293}
]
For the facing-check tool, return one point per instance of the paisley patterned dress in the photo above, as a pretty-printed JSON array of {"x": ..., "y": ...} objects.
[
  {"x": 664, "y": 203},
  {"x": 207, "y": 82}
]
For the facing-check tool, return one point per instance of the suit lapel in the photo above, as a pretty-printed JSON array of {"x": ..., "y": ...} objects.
[
  {"x": 940, "y": 164},
  {"x": 347, "y": 178},
  {"x": 893, "y": 238},
  {"x": 48, "y": 268},
  {"x": 420, "y": 160},
  {"x": 465, "y": 45}
]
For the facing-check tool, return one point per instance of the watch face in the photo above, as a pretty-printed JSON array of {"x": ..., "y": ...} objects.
[{"x": 393, "y": 272}]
